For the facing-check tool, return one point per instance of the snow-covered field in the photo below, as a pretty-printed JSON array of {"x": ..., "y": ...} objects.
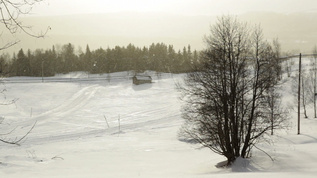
[{"x": 112, "y": 128}]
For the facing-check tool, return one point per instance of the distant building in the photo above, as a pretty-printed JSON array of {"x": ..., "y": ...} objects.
[{"x": 141, "y": 79}]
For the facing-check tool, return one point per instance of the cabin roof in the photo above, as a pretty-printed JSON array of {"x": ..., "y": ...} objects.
[{"x": 143, "y": 77}]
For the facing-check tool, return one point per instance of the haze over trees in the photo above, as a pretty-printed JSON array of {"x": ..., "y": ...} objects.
[
  {"x": 229, "y": 96},
  {"x": 63, "y": 59}
]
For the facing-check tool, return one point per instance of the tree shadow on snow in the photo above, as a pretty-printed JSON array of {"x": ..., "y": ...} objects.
[
  {"x": 243, "y": 165},
  {"x": 240, "y": 165},
  {"x": 311, "y": 140}
]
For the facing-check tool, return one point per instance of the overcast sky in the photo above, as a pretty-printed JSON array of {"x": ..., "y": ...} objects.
[
  {"x": 184, "y": 7},
  {"x": 143, "y": 28}
]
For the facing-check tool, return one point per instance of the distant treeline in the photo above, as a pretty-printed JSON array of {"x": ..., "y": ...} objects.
[{"x": 157, "y": 57}]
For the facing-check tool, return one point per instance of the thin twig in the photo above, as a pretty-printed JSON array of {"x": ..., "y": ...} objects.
[
  {"x": 17, "y": 141},
  {"x": 106, "y": 120}
]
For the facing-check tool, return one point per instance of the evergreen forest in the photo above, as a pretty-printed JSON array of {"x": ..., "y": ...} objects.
[{"x": 65, "y": 58}]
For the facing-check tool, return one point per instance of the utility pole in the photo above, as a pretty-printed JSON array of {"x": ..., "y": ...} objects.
[
  {"x": 299, "y": 81},
  {"x": 299, "y": 84}
]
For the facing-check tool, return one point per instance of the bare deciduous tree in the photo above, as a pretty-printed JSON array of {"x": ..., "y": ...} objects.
[
  {"x": 10, "y": 12},
  {"x": 277, "y": 114},
  {"x": 307, "y": 92},
  {"x": 225, "y": 99}
]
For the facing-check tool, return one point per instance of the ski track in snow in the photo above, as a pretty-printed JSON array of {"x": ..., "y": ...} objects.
[
  {"x": 67, "y": 128},
  {"x": 76, "y": 102}
]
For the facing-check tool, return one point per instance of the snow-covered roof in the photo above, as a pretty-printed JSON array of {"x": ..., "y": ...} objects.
[{"x": 143, "y": 77}]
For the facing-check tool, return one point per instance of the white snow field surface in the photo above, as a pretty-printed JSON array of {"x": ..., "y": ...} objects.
[{"x": 91, "y": 127}]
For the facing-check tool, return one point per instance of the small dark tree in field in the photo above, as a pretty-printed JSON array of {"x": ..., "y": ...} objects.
[
  {"x": 288, "y": 67},
  {"x": 277, "y": 115},
  {"x": 226, "y": 98}
]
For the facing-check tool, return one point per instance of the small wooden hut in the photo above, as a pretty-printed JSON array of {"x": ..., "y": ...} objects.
[{"x": 141, "y": 79}]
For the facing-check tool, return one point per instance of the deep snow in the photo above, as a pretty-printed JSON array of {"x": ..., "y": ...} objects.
[{"x": 72, "y": 138}]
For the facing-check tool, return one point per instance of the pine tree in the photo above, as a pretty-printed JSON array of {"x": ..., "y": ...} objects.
[{"x": 23, "y": 64}]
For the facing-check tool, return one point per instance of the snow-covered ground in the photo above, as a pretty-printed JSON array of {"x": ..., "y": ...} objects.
[{"x": 112, "y": 128}]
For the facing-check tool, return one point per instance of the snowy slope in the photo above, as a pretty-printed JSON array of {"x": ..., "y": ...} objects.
[{"x": 138, "y": 138}]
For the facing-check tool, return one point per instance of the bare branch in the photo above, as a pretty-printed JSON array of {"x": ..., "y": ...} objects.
[
  {"x": 8, "y": 45},
  {"x": 10, "y": 12},
  {"x": 226, "y": 96},
  {"x": 17, "y": 141}
]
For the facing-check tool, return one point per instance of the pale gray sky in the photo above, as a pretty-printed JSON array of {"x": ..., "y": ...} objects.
[
  {"x": 176, "y": 22},
  {"x": 183, "y": 7}
]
